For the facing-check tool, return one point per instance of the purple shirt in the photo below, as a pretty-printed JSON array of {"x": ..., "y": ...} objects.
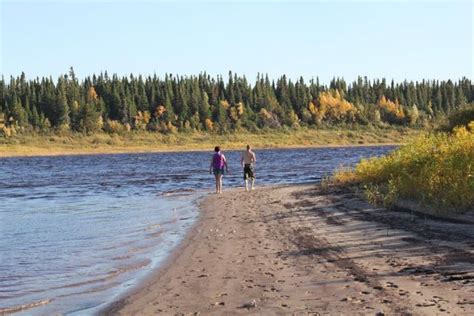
[{"x": 218, "y": 161}]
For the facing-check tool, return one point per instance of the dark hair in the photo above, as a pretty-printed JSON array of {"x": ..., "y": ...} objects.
[
  {"x": 248, "y": 146},
  {"x": 217, "y": 149}
]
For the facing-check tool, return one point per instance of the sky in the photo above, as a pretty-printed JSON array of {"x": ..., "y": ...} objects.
[{"x": 398, "y": 40}]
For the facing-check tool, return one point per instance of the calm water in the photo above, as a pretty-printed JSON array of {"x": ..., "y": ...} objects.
[{"x": 78, "y": 231}]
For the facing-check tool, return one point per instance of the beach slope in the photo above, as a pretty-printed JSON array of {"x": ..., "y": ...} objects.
[{"x": 305, "y": 250}]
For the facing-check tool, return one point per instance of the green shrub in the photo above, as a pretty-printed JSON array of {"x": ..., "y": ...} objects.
[
  {"x": 435, "y": 169},
  {"x": 461, "y": 117}
]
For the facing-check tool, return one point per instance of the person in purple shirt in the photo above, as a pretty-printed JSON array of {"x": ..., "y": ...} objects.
[{"x": 218, "y": 162}]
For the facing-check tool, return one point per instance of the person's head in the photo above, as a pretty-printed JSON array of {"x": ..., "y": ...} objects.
[
  {"x": 248, "y": 147},
  {"x": 217, "y": 149}
]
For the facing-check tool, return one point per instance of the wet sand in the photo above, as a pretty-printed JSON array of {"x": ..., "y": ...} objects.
[{"x": 304, "y": 250}]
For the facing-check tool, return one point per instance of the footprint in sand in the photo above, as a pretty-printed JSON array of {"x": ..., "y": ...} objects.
[
  {"x": 425, "y": 304},
  {"x": 221, "y": 294},
  {"x": 249, "y": 305}
]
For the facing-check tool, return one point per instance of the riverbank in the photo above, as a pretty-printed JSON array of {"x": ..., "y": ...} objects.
[
  {"x": 302, "y": 249},
  {"x": 71, "y": 144}
]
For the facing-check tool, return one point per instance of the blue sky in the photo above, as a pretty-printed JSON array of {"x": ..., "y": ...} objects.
[{"x": 398, "y": 39}]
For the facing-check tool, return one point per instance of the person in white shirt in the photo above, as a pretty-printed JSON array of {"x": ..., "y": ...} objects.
[{"x": 248, "y": 161}]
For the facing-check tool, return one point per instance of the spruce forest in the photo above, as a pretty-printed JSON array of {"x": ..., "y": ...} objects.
[{"x": 217, "y": 105}]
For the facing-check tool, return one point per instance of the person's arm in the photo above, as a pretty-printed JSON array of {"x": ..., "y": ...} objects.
[
  {"x": 254, "y": 157},
  {"x": 225, "y": 164}
]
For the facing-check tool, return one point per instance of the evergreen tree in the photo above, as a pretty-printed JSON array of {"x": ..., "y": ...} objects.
[
  {"x": 18, "y": 113},
  {"x": 204, "y": 107},
  {"x": 61, "y": 111},
  {"x": 203, "y": 101},
  {"x": 89, "y": 117}
]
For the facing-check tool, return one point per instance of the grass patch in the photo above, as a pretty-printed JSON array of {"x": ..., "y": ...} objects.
[{"x": 434, "y": 169}]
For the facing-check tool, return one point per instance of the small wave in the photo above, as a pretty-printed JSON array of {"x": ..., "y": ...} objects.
[
  {"x": 41, "y": 197},
  {"x": 154, "y": 235},
  {"x": 108, "y": 276},
  {"x": 152, "y": 227},
  {"x": 122, "y": 257},
  {"x": 177, "y": 192},
  {"x": 139, "y": 249},
  {"x": 84, "y": 283},
  {"x": 91, "y": 290},
  {"x": 129, "y": 268},
  {"x": 19, "y": 308}
]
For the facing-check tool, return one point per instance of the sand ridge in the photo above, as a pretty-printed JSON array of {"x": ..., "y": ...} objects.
[{"x": 304, "y": 250}]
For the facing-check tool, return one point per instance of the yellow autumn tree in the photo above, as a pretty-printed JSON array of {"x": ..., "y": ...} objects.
[
  {"x": 225, "y": 104},
  {"x": 75, "y": 105},
  {"x": 113, "y": 126},
  {"x": 5, "y": 131},
  {"x": 332, "y": 106},
  {"x": 92, "y": 95},
  {"x": 171, "y": 128},
  {"x": 264, "y": 114},
  {"x": 317, "y": 114},
  {"x": 160, "y": 110},
  {"x": 142, "y": 119},
  {"x": 268, "y": 119},
  {"x": 240, "y": 108},
  {"x": 233, "y": 114},
  {"x": 294, "y": 119},
  {"x": 391, "y": 111},
  {"x": 209, "y": 124}
]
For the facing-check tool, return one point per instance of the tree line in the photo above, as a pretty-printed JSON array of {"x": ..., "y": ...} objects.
[{"x": 204, "y": 103}]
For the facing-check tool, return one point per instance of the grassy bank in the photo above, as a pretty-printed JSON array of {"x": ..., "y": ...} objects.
[
  {"x": 436, "y": 170},
  {"x": 32, "y": 145}
]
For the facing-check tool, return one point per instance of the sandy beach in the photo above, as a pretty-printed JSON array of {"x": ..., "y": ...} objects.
[{"x": 307, "y": 250}]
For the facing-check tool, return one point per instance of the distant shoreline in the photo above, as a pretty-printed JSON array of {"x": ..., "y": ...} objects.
[
  {"x": 119, "y": 151},
  {"x": 75, "y": 144}
]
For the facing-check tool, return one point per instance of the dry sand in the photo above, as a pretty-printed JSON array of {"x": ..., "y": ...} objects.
[{"x": 304, "y": 250}]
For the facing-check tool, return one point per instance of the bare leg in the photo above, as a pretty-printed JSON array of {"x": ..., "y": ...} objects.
[
  {"x": 246, "y": 185},
  {"x": 217, "y": 183},
  {"x": 253, "y": 181},
  {"x": 220, "y": 183}
]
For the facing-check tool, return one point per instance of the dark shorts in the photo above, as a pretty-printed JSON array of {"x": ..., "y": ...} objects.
[
  {"x": 249, "y": 172},
  {"x": 218, "y": 171}
]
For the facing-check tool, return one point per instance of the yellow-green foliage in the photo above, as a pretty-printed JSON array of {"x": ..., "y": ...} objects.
[{"x": 436, "y": 169}]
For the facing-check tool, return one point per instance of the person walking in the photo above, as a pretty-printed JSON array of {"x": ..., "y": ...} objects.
[
  {"x": 248, "y": 161},
  {"x": 218, "y": 162}
]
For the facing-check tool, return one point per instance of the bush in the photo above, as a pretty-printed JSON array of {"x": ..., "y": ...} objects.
[
  {"x": 461, "y": 117},
  {"x": 435, "y": 169},
  {"x": 112, "y": 126}
]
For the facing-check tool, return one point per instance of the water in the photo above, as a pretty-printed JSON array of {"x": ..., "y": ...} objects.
[{"x": 77, "y": 231}]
